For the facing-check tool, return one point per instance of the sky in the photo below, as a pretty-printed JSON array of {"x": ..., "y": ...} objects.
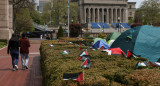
[{"x": 138, "y": 2}]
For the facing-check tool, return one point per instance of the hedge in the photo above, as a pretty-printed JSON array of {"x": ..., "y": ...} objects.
[{"x": 105, "y": 70}]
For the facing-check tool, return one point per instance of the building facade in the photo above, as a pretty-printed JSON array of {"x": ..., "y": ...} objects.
[
  {"x": 6, "y": 19},
  {"x": 42, "y": 4},
  {"x": 105, "y": 11}
]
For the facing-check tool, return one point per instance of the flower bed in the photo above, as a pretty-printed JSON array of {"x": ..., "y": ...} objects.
[{"x": 105, "y": 70}]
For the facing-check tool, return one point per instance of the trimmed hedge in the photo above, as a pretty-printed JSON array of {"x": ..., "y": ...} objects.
[{"x": 105, "y": 70}]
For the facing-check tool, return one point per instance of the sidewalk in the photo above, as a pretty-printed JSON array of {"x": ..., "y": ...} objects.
[{"x": 30, "y": 77}]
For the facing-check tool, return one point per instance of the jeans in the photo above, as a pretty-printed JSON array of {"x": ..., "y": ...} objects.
[
  {"x": 15, "y": 57},
  {"x": 25, "y": 59}
]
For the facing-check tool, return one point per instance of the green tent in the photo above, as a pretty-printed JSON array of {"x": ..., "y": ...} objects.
[
  {"x": 113, "y": 36},
  {"x": 141, "y": 40},
  {"x": 97, "y": 39}
]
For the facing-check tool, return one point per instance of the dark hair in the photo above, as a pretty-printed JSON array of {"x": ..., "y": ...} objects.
[
  {"x": 23, "y": 35},
  {"x": 14, "y": 37}
]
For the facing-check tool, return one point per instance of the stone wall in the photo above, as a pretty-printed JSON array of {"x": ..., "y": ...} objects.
[{"x": 6, "y": 16}]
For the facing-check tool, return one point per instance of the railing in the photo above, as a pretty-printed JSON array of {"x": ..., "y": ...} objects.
[{"x": 40, "y": 27}]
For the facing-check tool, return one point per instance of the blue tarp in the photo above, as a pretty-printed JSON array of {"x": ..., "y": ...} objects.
[{"x": 101, "y": 43}]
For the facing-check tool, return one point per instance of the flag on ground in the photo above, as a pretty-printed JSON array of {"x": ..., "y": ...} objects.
[
  {"x": 93, "y": 49},
  {"x": 155, "y": 64},
  {"x": 74, "y": 76},
  {"x": 84, "y": 57},
  {"x": 80, "y": 44},
  {"x": 51, "y": 45},
  {"x": 123, "y": 54},
  {"x": 141, "y": 64},
  {"x": 80, "y": 49},
  {"x": 84, "y": 52},
  {"x": 86, "y": 64},
  {"x": 101, "y": 48},
  {"x": 129, "y": 54},
  {"x": 65, "y": 52}
]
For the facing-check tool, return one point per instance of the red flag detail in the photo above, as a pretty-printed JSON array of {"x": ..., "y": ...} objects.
[
  {"x": 80, "y": 44},
  {"x": 152, "y": 64},
  {"x": 129, "y": 54},
  {"x": 123, "y": 54},
  {"x": 80, "y": 49},
  {"x": 79, "y": 58},
  {"x": 85, "y": 63},
  {"x": 101, "y": 48},
  {"x": 80, "y": 77}
]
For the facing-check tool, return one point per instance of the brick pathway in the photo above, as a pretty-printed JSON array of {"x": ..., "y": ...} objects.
[{"x": 30, "y": 77}]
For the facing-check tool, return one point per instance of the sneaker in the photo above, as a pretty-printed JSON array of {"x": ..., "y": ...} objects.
[
  {"x": 13, "y": 69},
  {"x": 16, "y": 67},
  {"x": 26, "y": 67}
]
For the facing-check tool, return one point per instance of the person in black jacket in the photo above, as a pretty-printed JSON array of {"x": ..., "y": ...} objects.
[{"x": 13, "y": 49}]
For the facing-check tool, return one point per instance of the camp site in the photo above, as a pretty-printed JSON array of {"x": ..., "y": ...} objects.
[{"x": 131, "y": 59}]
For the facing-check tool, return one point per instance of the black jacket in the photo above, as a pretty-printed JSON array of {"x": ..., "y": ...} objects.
[{"x": 13, "y": 45}]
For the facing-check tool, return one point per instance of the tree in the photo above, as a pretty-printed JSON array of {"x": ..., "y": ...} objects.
[
  {"x": 59, "y": 12},
  {"x": 148, "y": 13},
  {"x": 75, "y": 30},
  {"x": 60, "y": 32},
  {"x": 23, "y": 21}
]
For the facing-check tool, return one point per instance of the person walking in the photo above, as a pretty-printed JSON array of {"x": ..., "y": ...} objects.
[
  {"x": 24, "y": 51},
  {"x": 13, "y": 49}
]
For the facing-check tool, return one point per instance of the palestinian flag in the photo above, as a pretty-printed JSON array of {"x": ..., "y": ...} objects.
[
  {"x": 84, "y": 52},
  {"x": 51, "y": 45},
  {"x": 74, "y": 76},
  {"x": 65, "y": 52},
  {"x": 129, "y": 54},
  {"x": 101, "y": 48},
  {"x": 141, "y": 64},
  {"x": 108, "y": 51},
  {"x": 80, "y": 49},
  {"x": 155, "y": 64},
  {"x": 123, "y": 53},
  {"x": 80, "y": 44},
  {"x": 84, "y": 57},
  {"x": 93, "y": 49},
  {"x": 86, "y": 64}
]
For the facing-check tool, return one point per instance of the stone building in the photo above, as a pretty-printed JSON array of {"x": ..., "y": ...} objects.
[
  {"x": 106, "y": 11},
  {"x": 6, "y": 19},
  {"x": 42, "y": 4}
]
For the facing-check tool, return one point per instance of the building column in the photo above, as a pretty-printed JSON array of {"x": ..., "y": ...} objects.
[
  {"x": 84, "y": 15},
  {"x": 116, "y": 15},
  {"x": 126, "y": 17},
  {"x": 102, "y": 15},
  {"x": 89, "y": 15},
  {"x": 111, "y": 15},
  {"x": 107, "y": 15},
  {"x": 98, "y": 15},
  {"x": 93, "y": 14},
  {"x": 120, "y": 15}
]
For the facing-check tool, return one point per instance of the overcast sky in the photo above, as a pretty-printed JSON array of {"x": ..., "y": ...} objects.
[{"x": 138, "y": 2}]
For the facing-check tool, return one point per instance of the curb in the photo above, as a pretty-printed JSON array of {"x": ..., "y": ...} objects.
[{"x": 3, "y": 48}]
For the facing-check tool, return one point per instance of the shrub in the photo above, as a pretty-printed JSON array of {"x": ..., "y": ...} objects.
[
  {"x": 60, "y": 32},
  {"x": 105, "y": 70},
  {"x": 101, "y": 35}
]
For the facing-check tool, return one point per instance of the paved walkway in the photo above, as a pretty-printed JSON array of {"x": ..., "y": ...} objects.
[{"x": 30, "y": 77}]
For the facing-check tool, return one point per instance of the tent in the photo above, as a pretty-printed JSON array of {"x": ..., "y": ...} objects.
[
  {"x": 97, "y": 39},
  {"x": 141, "y": 40},
  {"x": 113, "y": 36},
  {"x": 101, "y": 43}
]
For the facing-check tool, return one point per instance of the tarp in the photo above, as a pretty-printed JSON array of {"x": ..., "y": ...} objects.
[
  {"x": 97, "y": 39},
  {"x": 113, "y": 36},
  {"x": 115, "y": 51},
  {"x": 101, "y": 43},
  {"x": 141, "y": 40}
]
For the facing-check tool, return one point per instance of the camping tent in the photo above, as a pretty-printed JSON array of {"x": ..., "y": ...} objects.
[
  {"x": 141, "y": 40},
  {"x": 97, "y": 39},
  {"x": 101, "y": 43},
  {"x": 113, "y": 36}
]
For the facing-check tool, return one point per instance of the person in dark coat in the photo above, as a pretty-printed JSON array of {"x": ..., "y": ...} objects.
[
  {"x": 24, "y": 51},
  {"x": 13, "y": 49}
]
